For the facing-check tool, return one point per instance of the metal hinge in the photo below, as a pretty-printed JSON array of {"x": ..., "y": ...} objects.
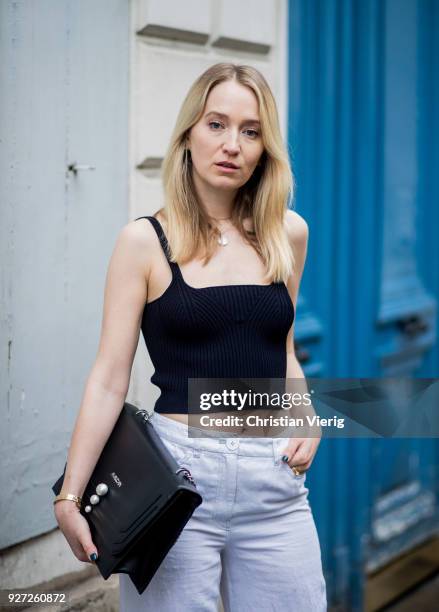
[
  {"x": 187, "y": 475},
  {"x": 145, "y": 414}
]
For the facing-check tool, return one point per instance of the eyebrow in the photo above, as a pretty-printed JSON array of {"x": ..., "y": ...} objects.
[{"x": 256, "y": 121}]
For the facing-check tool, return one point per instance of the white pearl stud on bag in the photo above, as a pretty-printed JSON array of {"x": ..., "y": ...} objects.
[{"x": 102, "y": 489}]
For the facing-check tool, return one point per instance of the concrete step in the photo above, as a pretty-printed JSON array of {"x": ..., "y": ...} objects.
[{"x": 92, "y": 593}]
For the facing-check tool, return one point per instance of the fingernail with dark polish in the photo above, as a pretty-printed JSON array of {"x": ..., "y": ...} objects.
[
  {"x": 93, "y": 557},
  {"x": 285, "y": 458}
]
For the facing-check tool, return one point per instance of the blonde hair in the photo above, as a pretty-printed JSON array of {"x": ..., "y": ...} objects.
[{"x": 264, "y": 197}]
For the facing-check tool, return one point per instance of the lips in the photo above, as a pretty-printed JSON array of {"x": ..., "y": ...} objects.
[{"x": 227, "y": 165}]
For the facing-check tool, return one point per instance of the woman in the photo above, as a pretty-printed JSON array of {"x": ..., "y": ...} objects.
[{"x": 212, "y": 280}]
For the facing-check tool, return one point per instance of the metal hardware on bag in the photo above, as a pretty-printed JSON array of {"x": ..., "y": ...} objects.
[
  {"x": 187, "y": 475},
  {"x": 145, "y": 414}
]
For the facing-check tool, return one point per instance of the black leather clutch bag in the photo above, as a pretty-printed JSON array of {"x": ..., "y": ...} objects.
[{"x": 143, "y": 502}]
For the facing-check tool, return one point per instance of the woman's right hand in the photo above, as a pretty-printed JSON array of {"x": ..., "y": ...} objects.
[{"x": 75, "y": 529}]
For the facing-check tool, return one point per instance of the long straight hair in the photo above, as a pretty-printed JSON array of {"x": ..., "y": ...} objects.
[{"x": 264, "y": 197}]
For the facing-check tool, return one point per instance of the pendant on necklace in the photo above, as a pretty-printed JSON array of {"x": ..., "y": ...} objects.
[{"x": 223, "y": 240}]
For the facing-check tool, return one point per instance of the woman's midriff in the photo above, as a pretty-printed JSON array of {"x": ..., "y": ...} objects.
[
  {"x": 226, "y": 425},
  {"x": 184, "y": 418}
]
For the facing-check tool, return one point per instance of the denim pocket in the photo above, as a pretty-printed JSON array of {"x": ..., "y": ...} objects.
[
  {"x": 207, "y": 470},
  {"x": 182, "y": 454},
  {"x": 290, "y": 474}
]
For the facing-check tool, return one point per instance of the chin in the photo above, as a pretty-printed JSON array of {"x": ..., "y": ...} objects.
[
  {"x": 226, "y": 185},
  {"x": 222, "y": 181}
]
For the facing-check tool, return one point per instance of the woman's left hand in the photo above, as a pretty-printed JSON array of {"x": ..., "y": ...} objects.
[{"x": 300, "y": 452}]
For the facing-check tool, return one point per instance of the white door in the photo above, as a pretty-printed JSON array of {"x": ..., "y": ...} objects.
[{"x": 64, "y": 101}]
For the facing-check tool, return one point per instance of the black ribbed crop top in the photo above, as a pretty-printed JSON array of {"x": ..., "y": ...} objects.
[{"x": 223, "y": 331}]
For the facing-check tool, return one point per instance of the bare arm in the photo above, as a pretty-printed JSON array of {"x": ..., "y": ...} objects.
[
  {"x": 297, "y": 230},
  {"x": 300, "y": 451},
  {"x": 107, "y": 384}
]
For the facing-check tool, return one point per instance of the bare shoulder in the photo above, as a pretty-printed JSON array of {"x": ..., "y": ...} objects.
[
  {"x": 295, "y": 225},
  {"x": 140, "y": 233},
  {"x": 297, "y": 230},
  {"x": 138, "y": 240}
]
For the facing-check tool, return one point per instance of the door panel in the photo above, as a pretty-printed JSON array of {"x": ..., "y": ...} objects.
[
  {"x": 363, "y": 139},
  {"x": 64, "y": 100}
]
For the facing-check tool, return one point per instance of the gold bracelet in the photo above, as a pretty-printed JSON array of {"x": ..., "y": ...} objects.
[{"x": 70, "y": 497}]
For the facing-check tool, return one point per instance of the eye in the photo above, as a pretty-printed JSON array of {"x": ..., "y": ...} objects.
[
  {"x": 254, "y": 133},
  {"x": 215, "y": 123}
]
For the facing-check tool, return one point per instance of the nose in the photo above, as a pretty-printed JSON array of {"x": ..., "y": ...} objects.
[{"x": 231, "y": 143}]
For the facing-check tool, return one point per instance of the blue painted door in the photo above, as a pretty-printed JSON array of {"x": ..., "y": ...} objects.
[{"x": 363, "y": 139}]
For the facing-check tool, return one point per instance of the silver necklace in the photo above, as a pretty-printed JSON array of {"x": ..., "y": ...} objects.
[{"x": 222, "y": 240}]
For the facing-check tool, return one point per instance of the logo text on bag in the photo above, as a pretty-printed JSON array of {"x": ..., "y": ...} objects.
[{"x": 116, "y": 479}]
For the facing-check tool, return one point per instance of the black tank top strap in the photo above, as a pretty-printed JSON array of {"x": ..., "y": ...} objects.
[
  {"x": 160, "y": 233},
  {"x": 163, "y": 241}
]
